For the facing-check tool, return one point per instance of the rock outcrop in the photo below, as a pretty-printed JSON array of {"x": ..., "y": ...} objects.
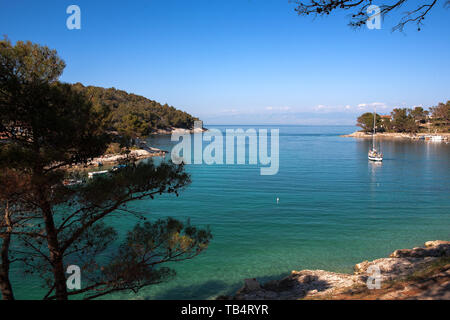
[{"x": 400, "y": 266}]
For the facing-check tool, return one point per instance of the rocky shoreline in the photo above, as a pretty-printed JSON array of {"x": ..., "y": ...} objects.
[
  {"x": 112, "y": 159},
  {"x": 137, "y": 154},
  {"x": 143, "y": 153},
  {"x": 394, "y": 135},
  {"x": 418, "y": 273},
  {"x": 178, "y": 130}
]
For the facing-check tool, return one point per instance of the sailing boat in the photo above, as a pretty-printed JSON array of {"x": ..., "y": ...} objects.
[{"x": 374, "y": 155}]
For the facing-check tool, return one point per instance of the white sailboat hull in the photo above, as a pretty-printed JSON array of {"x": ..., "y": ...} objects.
[{"x": 371, "y": 158}]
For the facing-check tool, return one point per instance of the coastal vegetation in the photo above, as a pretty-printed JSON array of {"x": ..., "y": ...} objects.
[
  {"x": 47, "y": 226},
  {"x": 408, "y": 120},
  {"x": 133, "y": 115},
  {"x": 126, "y": 116}
]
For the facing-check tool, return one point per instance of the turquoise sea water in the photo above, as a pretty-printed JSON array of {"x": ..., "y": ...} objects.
[{"x": 335, "y": 209}]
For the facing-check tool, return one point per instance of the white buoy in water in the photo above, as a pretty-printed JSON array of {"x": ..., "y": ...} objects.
[{"x": 278, "y": 200}]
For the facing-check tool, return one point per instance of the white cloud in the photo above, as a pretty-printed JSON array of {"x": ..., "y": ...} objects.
[
  {"x": 229, "y": 111},
  {"x": 320, "y": 107},
  {"x": 326, "y": 109},
  {"x": 277, "y": 108},
  {"x": 381, "y": 105}
]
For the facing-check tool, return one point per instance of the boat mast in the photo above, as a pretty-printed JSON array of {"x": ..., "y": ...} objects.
[{"x": 373, "y": 135}]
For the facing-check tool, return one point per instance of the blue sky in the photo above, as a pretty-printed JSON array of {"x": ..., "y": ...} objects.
[{"x": 242, "y": 61}]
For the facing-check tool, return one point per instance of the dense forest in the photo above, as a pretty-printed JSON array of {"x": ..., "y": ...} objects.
[{"x": 131, "y": 114}]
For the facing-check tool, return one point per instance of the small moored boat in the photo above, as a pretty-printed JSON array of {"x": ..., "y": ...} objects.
[
  {"x": 72, "y": 182},
  {"x": 374, "y": 154},
  {"x": 96, "y": 173},
  {"x": 436, "y": 138}
]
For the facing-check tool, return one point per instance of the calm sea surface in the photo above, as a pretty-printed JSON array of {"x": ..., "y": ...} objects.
[{"x": 335, "y": 209}]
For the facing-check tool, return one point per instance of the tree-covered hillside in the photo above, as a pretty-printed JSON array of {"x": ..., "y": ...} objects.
[{"x": 134, "y": 115}]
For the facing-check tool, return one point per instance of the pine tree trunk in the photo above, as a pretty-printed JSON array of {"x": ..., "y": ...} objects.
[
  {"x": 56, "y": 256},
  {"x": 5, "y": 284},
  {"x": 55, "y": 252}
]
